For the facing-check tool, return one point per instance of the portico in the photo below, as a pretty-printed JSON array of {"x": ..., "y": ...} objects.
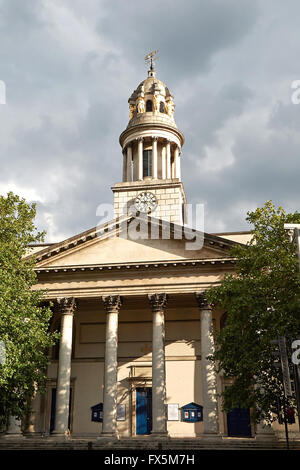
[{"x": 161, "y": 327}]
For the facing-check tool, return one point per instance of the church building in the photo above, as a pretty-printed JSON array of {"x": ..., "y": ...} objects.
[{"x": 129, "y": 298}]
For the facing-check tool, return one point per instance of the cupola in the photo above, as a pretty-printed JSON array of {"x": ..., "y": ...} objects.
[{"x": 151, "y": 143}]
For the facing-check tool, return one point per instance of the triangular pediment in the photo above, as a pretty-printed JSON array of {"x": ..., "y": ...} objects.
[{"x": 134, "y": 240}]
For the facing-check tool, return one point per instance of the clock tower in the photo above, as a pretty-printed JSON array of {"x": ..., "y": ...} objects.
[{"x": 151, "y": 148}]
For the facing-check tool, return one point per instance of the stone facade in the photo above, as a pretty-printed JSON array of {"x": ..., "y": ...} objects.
[{"x": 169, "y": 193}]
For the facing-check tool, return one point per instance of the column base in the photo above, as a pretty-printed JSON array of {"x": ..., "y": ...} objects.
[
  {"x": 16, "y": 435},
  {"x": 60, "y": 435},
  {"x": 265, "y": 436},
  {"x": 159, "y": 435},
  {"x": 108, "y": 435}
]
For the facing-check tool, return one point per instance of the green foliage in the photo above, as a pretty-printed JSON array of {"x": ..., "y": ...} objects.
[
  {"x": 24, "y": 322},
  {"x": 262, "y": 301}
]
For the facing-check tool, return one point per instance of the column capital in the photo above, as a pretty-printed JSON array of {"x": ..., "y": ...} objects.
[
  {"x": 155, "y": 138},
  {"x": 112, "y": 303},
  {"x": 67, "y": 305},
  {"x": 140, "y": 139},
  {"x": 202, "y": 301},
  {"x": 158, "y": 302}
]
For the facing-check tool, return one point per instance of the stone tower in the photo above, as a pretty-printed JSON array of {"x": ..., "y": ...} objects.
[{"x": 151, "y": 146}]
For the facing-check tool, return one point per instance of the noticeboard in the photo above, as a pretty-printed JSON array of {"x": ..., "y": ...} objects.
[{"x": 173, "y": 412}]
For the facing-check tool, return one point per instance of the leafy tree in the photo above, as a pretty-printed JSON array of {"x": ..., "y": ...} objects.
[
  {"x": 24, "y": 322},
  {"x": 262, "y": 301}
]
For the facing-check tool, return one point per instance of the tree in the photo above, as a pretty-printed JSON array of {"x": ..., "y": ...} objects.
[
  {"x": 24, "y": 321},
  {"x": 262, "y": 302}
]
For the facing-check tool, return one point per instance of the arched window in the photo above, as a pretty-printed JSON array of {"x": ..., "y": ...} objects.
[
  {"x": 162, "y": 107},
  {"x": 223, "y": 320},
  {"x": 147, "y": 163},
  {"x": 149, "y": 106}
]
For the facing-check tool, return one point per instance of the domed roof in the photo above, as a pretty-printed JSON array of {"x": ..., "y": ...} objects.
[
  {"x": 157, "y": 103},
  {"x": 150, "y": 85}
]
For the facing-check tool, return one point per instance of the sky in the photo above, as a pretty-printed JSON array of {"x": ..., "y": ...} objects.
[{"x": 69, "y": 67}]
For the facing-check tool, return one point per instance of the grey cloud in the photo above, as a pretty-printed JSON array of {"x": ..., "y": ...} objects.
[
  {"x": 68, "y": 95},
  {"x": 188, "y": 34}
]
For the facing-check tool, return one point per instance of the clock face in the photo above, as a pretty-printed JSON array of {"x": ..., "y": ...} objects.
[{"x": 145, "y": 202}]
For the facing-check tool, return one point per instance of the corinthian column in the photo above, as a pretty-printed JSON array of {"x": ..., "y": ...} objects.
[
  {"x": 154, "y": 157},
  {"x": 168, "y": 151},
  {"x": 209, "y": 376},
  {"x": 112, "y": 305},
  {"x": 163, "y": 163},
  {"x": 129, "y": 163},
  {"x": 177, "y": 163},
  {"x": 124, "y": 164},
  {"x": 159, "y": 419},
  {"x": 68, "y": 307},
  {"x": 140, "y": 158}
]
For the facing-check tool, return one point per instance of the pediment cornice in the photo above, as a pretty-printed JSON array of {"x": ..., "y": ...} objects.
[{"x": 218, "y": 245}]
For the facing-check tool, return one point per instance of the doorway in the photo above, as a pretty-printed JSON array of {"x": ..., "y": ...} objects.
[
  {"x": 238, "y": 422},
  {"x": 143, "y": 410}
]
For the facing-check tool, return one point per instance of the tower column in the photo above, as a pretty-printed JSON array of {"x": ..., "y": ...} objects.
[
  {"x": 129, "y": 163},
  {"x": 140, "y": 158},
  {"x": 124, "y": 164},
  {"x": 112, "y": 304},
  {"x": 209, "y": 376},
  {"x": 168, "y": 150},
  {"x": 154, "y": 157},
  {"x": 159, "y": 418},
  {"x": 177, "y": 163},
  {"x": 68, "y": 307},
  {"x": 163, "y": 163}
]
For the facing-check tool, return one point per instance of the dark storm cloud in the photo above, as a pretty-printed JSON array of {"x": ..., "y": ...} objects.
[
  {"x": 70, "y": 67},
  {"x": 191, "y": 31}
]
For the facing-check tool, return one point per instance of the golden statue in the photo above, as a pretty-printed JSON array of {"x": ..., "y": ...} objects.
[
  {"x": 131, "y": 110},
  {"x": 170, "y": 108},
  {"x": 155, "y": 103},
  {"x": 141, "y": 105}
]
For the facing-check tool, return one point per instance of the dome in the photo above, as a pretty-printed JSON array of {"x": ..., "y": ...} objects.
[
  {"x": 151, "y": 102},
  {"x": 149, "y": 85}
]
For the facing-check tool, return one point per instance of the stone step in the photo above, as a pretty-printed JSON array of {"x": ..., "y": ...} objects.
[{"x": 134, "y": 444}]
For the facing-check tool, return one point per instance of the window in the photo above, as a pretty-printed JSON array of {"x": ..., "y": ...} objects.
[
  {"x": 149, "y": 106},
  {"x": 147, "y": 163},
  {"x": 162, "y": 107},
  {"x": 223, "y": 320}
]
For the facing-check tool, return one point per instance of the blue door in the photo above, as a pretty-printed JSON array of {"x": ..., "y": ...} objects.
[
  {"x": 143, "y": 410},
  {"x": 238, "y": 422}
]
